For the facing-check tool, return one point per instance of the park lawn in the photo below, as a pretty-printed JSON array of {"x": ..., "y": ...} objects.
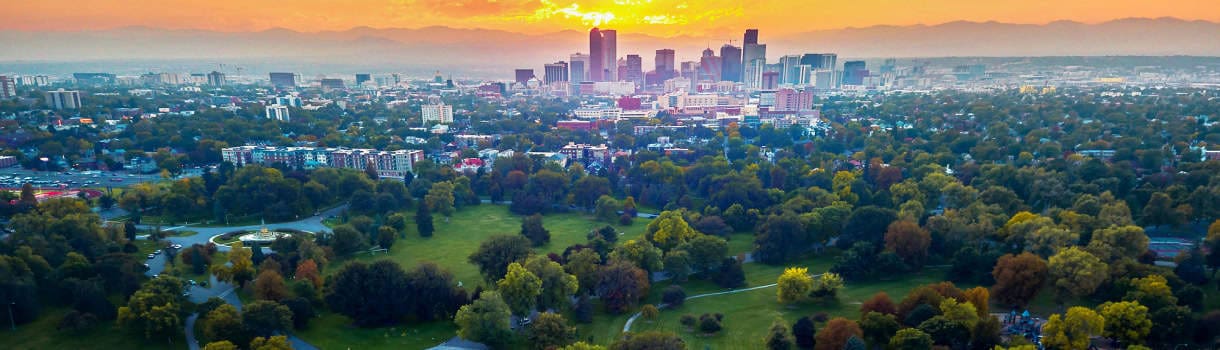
[
  {"x": 42, "y": 334},
  {"x": 181, "y": 233},
  {"x": 748, "y": 315},
  {"x": 147, "y": 246},
  {"x": 334, "y": 331},
  {"x": 455, "y": 240},
  {"x": 741, "y": 243}
]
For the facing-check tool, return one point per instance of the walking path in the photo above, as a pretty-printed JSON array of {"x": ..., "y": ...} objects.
[{"x": 630, "y": 321}]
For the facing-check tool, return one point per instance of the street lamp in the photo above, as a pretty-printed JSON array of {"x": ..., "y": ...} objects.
[{"x": 10, "y": 315}]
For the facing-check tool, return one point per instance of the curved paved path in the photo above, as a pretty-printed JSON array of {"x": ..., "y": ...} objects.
[{"x": 630, "y": 321}]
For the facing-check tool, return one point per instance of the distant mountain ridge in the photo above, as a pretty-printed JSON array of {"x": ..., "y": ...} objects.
[{"x": 479, "y": 52}]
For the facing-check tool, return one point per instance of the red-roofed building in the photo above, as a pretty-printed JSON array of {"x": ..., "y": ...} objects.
[
  {"x": 469, "y": 165},
  {"x": 576, "y": 124}
]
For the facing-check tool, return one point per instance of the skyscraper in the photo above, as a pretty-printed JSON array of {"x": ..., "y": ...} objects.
[
  {"x": 555, "y": 72},
  {"x": 854, "y": 73},
  {"x": 363, "y": 77},
  {"x": 790, "y": 71},
  {"x": 665, "y": 64},
  {"x": 524, "y": 75},
  {"x": 754, "y": 59},
  {"x": 819, "y": 61},
  {"x": 216, "y": 79},
  {"x": 597, "y": 58},
  {"x": 8, "y": 87},
  {"x": 61, "y": 99},
  {"x": 610, "y": 55},
  {"x": 578, "y": 65},
  {"x": 709, "y": 66},
  {"x": 730, "y": 63},
  {"x": 284, "y": 79},
  {"x": 635, "y": 70}
]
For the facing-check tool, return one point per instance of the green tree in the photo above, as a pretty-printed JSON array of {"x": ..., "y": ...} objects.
[
  {"x": 649, "y": 340},
  {"x": 550, "y": 330},
  {"x": 910, "y": 339},
  {"x": 677, "y": 264},
  {"x": 278, "y": 342},
  {"x": 156, "y": 309},
  {"x": 793, "y": 285},
  {"x": 240, "y": 268},
  {"x": 669, "y": 230},
  {"x": 440, "y": 198},
  {"x": 584, "y": 264},
  {"x": 706, "y": 252},
  {"x": 1076, "y": 273},
  {"x": 531, "y": 228},
  {"x": 520, "y": 289},
  {"x": 494, "y": 254},
  {"x": 1073, "y": 330},
  {"x": 639, "y": 252},
  {"x": 1126, "y": 321},
  {"x": 878, "y": 328},
  {"x": 777, "y": 336},
  {"x": 557, "y": 285},
  {"x": 224, "y": 324},
  {"x": 220, "y": 345},
  {"x": 485, "y": 320},
  {"x": 1159, "y": 210},
  {"x": 264, "y": 318},
  {"x": 423, "y": 221}
]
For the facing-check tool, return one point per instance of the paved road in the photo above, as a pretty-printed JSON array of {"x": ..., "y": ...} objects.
[
  {"x": 630, "y": 321},
  {"x": 311, "y": 224}
]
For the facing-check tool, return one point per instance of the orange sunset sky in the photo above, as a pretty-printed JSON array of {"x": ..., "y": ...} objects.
[{"x": 656, "y": 17}]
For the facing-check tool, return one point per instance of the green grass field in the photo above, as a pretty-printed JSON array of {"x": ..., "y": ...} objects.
[
  {"x": 334, "y": 331},
  {"x": 42, "y": 334}
]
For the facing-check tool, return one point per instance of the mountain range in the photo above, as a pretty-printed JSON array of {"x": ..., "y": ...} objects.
[{"x": 493, "y": 53}]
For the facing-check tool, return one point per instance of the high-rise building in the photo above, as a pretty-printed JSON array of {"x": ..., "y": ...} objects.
[
  {"x": 555, "y": 72},
  {"x": 216, "y": 79},
  {"x": 361, "y": 78},
  {"x": 854, "y": 73},
  {"x": 635, "y": 70},
  {"x": 438, "y": 113},
  {"x": 8, "y": 87},
  {"x": 61, "y": 99},
  {"x": 578, "y": 65},
  {"x": 751, "y": 36},
  {"x": 523, "y": 75},
  {"x": 730, "y": 63},
  {"x": 665, "y": 64},
  {"x": 33, "y": 80},
  {"x": 284, "y": 79},
  {"x": 278, "y": 112},
  {"x": 790, "y": 71},
  {"x": 793, "y": 100},
  {"x": 753, "y": 60},
  {"x": 332, "y": 84},
  {"x": 610, "y": 55},
  {"x": 709, "y": 66},
  {"x": 768, "y": 80},
  {"x": 290, "y": 101},
  {"x": 597, "y": 58},
  {"x": 819, "y": 61}
]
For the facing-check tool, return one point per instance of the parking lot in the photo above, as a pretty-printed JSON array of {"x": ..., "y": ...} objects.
[{"x": 15, "y": 177}]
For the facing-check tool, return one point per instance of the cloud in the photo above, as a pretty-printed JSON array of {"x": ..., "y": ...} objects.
[{"x": 461, "y": 9}]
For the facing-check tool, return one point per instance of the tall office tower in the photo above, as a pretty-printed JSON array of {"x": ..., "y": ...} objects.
[
  {"x": 621, "y": 69},
  {"x": 61, "y": 99},
  {"x": 665, "y": 64},
  {"x": 284, "y": 79},
  {"x": 332, "y": 84},
  {"x": 524, "y": 75},
  {"x": 769, "y": 81},
  {"x": 854, "y": 73},
  {"x": 730, "y": 63},
  {"x": 690, "y": 71},
  {"x": 610, "y": 55},
  {"x": 754, "y": 59},
  {"x": 216, "y": 79},
  {"x": 597, "y": 58},
  {"x": 751, "y": 36},
  {"x": 278, "y": 112},
  {"x": 578, "y": 65},
  {"x": 820, "y": 61},
  {"x": 8, "y": 87},
  {"x": 789, "y": 71},
  {"x": 363, "y": 77},
  {"x": 635, "y": 70},
  {"x": 555, "y": 72},
  {"x": 709, "y": 66}
]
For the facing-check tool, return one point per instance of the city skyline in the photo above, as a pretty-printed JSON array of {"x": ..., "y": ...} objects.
[{"x": 665, "y": 18}]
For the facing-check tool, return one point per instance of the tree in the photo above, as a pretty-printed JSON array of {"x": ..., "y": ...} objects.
[
  {"x": 156, "y": 309},
  {"x": 1018, "y": 278},
  {"x": 531, "y": 227},
  {"x": 1126, "y": 321},
  {"x": 777, "y": 336},
  {"x": 706, "y": 252},
  {"x": 307, "y": 270},
  {"x": 423, "y": 221},
  {"x": 494, "y": 254},
  {"x": 961, "y": 312},
  {"x": 347, "y": 240},
  {"x": 485, "y": 320},
  {"x": 677, "y": 264},
  {"x": 781, "y": 238},
  {"x": 264, "y": 318},
  {"x": 710, "y": 324},
  {"x": 1152, "y": 291},
  {"x": 1115, "y": 243},
  {"x": 673, "y": 296},
  {"x": 804, "y": 332},
  {"x": 827, "y": 286},
  {"x": 1072, "y": 332},
  {"x": 370, "y": 294},
  {"x": 878, "y": 328},
  {"x": 834, "y": 336},
  {"x": 433, "y": 293},
  {"x": 278, "y": 342},
  {"x": 440, "y": 198},
  {"x": 1049, "y": 240},
  {"x": 640, "y": 252},
  {"x": 1159, "y": 210},
  {"x": 550, "y": 330},
  {"x": 520, "y": 289},
  {"x": 880, "y": 303},
  {"x": 730, "y": 274},
  {"x": 855, "y": 343},
  {"x": 370, "y": 170},
  {"x": 557, "y": 285},
  {"x": 946, "y": 332},
  {"x": 582, "y": 346},
  {"x": 649, "y": 312},
  {"x": 220, "y": 345},
  {"x": 793, "y": 285},
  {"x": 240, "y": 268},
  {"x": 224, "y": 324},
  {"x": 1075, "y": 272},
  {"x": 909, "y": 241},
  {"x": 869, "y": 224},
  {"x": 669, "y": 230},
  {"x": 649, "y": 340},
  {"x": 911, "y": 339},
  {"x": 302, "y": 311},
  {"x": 270, "y": 286},
  {"x": 621, "y": 285},
  {"x": 386, "y": 236},
  {"x": 584, "y": 265}
]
